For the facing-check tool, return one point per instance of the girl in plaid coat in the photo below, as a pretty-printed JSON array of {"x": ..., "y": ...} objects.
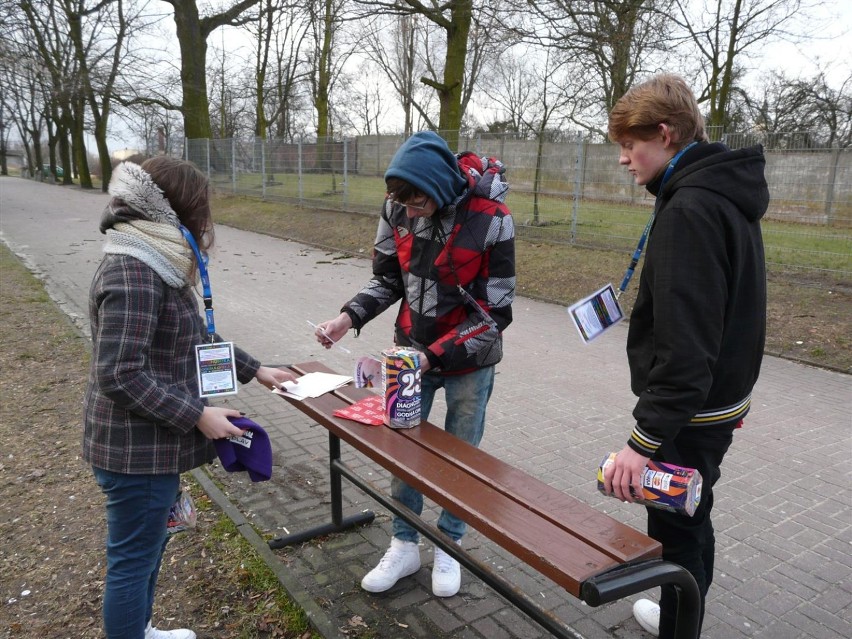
[{"x": 144, "y": 421}]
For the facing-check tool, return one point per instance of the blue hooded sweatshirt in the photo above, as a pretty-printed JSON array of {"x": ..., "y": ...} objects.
[{"x": 425, "y": 161}]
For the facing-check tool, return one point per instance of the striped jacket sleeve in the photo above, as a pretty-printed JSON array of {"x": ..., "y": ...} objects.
[{"x": 386, "y": 286}]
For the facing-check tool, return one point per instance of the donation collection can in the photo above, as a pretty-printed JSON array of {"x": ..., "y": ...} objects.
[
  {"x": 401, "y": 386},
  {"x": 664, "y": 486}
]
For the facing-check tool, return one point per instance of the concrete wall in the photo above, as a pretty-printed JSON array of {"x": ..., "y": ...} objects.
[{"x": 805, "y": 186}]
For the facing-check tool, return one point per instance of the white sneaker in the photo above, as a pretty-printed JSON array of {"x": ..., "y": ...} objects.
[
  {"x": 180, "y": 633},
  {"x": 647, "y": 613},
  {"x": 400, "y": 560},
  {"x": 446, "y": 574}
]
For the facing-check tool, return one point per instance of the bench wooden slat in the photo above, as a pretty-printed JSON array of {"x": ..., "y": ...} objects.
[
  {"x": 566, "y": 560},
  {"x": 592, "y": 556},
  {"x": 620, "y": 541},
  {"x": 537, "y": 541}
]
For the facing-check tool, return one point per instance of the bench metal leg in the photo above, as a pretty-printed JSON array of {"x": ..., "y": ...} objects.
[
  {"x": 631, "y": 579},
  {"x": 501, "y": 586},
  {"x": 338, "y": 522}
]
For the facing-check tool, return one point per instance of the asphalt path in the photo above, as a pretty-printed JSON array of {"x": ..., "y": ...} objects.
[{"x": 784, "y": 504}]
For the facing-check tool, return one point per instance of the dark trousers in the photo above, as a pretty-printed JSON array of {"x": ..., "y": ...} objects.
[{"x": 689, "y": 541}]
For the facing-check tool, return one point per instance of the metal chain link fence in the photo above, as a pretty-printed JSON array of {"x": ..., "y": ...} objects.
[{"x": 571, "y": 191}]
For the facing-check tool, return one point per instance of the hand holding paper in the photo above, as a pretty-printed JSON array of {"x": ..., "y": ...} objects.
[
  {"x": 274, "y": 377},
  {"x": 329, "y": 341}
]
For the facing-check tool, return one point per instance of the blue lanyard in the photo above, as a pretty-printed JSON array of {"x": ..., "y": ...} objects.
[
  {"x": 634, "y": 261},
  {"x": 205, "y": 281}
]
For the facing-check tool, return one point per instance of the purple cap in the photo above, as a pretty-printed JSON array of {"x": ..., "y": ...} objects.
[{"x": 251, "y": 451}]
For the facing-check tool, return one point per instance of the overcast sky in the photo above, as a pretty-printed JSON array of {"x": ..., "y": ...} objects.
[
  {"x": 831, "y": 49},
  {"x": 833, "y": 21}
]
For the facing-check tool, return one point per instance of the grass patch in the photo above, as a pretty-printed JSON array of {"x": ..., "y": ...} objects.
[
  {"x": 555, "y": 217},
  {"x": 808, "y": 315},
  {"x": 253, "y": 605}
]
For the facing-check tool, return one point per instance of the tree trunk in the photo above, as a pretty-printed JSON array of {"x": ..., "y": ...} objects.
[
  {"x": 78, "y": 135},
  {"x": 323, "y": 85},
  {"x": 406, "y": 26},
  {"x": 621, "y": 76},
  {"x": 4, "y": 168},
  {"x": 727, "y": 80},
  {"x": 193, "y": 70},
  {"x": 264, "y": 38},
  {"x": 450, "y": 95},
  {"x": 78, "y": 146},
  {"x": 63, "y": 129}
]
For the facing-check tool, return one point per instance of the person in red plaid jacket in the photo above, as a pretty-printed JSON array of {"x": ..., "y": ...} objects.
[{"x": 445, "y": 249}]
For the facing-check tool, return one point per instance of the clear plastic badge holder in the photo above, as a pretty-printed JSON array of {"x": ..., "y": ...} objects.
[
  {"x": 597, "y": 313},
  {"x": 181, "y": 515}
]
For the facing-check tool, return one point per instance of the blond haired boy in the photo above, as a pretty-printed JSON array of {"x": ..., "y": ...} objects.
[{"x": 697, "y": 329}]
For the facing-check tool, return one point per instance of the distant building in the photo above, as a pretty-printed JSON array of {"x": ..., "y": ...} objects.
[
  {"x": 14, "y": 161},
  {"x": 125, "y": 154}
]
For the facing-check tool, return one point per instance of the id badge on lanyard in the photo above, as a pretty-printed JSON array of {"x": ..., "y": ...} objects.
[
  {"x": 217, "y": 369},
  {"x": 214, "y": 361},
  {"x": 600, "y": 311},
  {"x": 597, "y": 313}
]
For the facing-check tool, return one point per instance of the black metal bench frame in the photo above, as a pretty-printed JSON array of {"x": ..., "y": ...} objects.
[{"x": 608, "y": 586}]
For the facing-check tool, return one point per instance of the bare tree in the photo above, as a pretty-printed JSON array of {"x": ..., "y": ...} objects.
[
  {"x": 511, "y": 93},
  {"x": 536, "y": 94},
  {"x": 833, "y": 109},
  {"x": 392, "y": 47},
  {"x": 22, "y": 99},
  {"x": 330, "y": 53},
  {"x": 6, "y": 112},
  {"x": 263, "y": 30},
  {"x": 192, "y": 33},
  {"x": 147, "y": 123},
  {"x": 284, "y": 100},
  {"x": 325, "y": 22},
  {"x": 274, "y": 57},
  {"x": 46, "y": 35},
  {"x": 725, "y": 34},
  {"x": 454, "y": 18},
  {"x": 363, "y": 106},
  {"x": 231, "y": 88},
  {"x": 80, "y": 45},
  {"x": 18, "y": 99},
  {"x": 801, "y": 110},
  {"x": 98, "y": 34},
  {"x": 610, "y": 40},
  {"x": 5, "y": 126},
  {"x": 487, "y": 42}
]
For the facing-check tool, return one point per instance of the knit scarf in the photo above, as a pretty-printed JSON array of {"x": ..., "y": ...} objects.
[{"x": 159, "y": 245}]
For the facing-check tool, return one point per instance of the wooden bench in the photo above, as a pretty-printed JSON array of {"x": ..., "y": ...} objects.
[{"x": 591, "y": 555}]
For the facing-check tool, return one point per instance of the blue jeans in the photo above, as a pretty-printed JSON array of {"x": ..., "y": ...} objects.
[
  {"x": 467, "y": 396},
  {"x": 137, "y": 510}
]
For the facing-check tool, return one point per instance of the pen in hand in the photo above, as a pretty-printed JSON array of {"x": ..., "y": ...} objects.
[{"x": 326, "y": 335}]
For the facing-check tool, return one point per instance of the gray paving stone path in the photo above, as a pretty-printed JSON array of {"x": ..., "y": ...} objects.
[{"x": 784, "y": 505}]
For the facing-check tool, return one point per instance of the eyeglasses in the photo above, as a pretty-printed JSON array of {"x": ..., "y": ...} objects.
[{"x": 408, "y": 205}]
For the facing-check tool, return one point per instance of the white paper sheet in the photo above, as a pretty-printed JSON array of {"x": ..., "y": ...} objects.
[{"x": 313, "y": 385}]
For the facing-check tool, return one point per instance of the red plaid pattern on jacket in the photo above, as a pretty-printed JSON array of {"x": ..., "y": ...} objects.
[{"x": 425, "y": 262}]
